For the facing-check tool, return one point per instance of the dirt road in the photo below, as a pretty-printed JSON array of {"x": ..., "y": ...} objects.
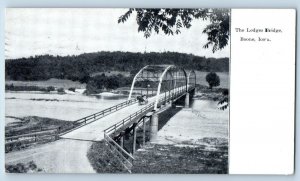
[{"x": 62, "y": 156}]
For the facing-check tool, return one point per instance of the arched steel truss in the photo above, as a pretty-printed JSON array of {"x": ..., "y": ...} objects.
[
  {"x": 154, "y": 80},
  {"x": 191, "y": 80}
]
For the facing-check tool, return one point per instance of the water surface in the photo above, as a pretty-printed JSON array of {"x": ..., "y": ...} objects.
[{"x": 67, "y": 107}]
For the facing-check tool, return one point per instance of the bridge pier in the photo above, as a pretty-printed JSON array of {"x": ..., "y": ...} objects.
[
  {"x": 187, "y": 100},
  {"x": 144, "y": 132},
  {"x": 122, "y": 139},
  {"x": 153, "y": 127},
  {"x": 134, "y": 138}
]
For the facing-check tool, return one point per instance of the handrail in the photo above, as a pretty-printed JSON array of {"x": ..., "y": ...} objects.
[
  {"x": 36, "y": 131},
  {"x": 117, "y": 145},
  {"x": 30, "y": 138},
  {"x": 128, "y": 119},
  {"x": 103, "y": 112},
  {"x": 119, "y": 153}
]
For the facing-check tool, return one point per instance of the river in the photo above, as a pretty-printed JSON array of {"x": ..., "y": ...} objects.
[
  {"x": 69, "y": 107},
  {"x": 190, "y": 126}
]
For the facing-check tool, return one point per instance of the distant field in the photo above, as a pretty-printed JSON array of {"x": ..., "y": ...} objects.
[
  {"x": 224, "y": 78},
  {"x": 110, "y": 73},
  {"x": 58, "y": 83}
]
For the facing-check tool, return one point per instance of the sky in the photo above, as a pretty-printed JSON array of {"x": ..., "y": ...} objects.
[{"x": 40, "y": 31}]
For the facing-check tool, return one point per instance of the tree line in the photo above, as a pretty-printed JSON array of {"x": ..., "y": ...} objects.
[{"x": 82, "y": 67}]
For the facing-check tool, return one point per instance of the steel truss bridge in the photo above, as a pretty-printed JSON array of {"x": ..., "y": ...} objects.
[{"x": 161, "y": 84}]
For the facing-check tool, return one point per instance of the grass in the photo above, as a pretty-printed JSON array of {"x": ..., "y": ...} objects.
[
  {"x": 170, "y": 159},
  {"x": 102, "y": 160}
]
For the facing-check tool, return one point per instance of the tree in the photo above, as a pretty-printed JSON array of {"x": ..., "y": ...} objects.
[
  {"x": 212, "y": 79},
  {"x": 171, "y": 21},
  {"x": 224, "y": 100}
]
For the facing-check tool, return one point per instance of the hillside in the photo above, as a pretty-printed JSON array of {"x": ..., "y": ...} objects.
[{"x": 82, "y": 67}]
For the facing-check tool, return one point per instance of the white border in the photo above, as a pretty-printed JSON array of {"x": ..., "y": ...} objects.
[{"x": 262, "y": 96}]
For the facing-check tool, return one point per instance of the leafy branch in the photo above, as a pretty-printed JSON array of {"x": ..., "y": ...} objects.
[{"x": 171, "y": 21}]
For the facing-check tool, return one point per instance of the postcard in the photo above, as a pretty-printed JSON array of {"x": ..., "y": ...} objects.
[{"x": 137, "y": 90}]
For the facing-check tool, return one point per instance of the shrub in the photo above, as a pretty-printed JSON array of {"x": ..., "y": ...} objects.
[
  {"x": 72, "y": 89},
  {"x": 102, "y": 82},
  {"x": 22, "y": 168},
  {"x": 60, "y": 90},
  {"x": 50, "y": 88}
]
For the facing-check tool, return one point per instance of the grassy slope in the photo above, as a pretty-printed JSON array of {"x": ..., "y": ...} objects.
[
  {"x": 34, "y": 123},
  {"x": 102, "y": 161}
]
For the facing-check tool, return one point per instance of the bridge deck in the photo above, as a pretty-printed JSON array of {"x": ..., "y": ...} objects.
[{"x": 95, "y": 131}]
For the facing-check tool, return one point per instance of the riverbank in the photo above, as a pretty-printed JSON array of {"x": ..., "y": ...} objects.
[
  {"x": 171, "y": 159},
  {"x": 195, "y": 140}
]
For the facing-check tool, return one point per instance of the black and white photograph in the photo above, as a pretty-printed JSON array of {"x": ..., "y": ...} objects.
[{"x": 117, "y": 90}]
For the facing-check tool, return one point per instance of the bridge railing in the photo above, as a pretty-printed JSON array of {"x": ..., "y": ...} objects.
[
  {"x": 114, "y": 128},
  {"x": 126, "y": 159},
  {"x": 15, "y": 142},
  {"x": 119, "y": 153},
  {"x": 34, "y": 134},
  {"x": 105, "y": 112}
]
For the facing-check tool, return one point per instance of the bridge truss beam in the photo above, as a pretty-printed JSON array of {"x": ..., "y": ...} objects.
[{"x": 158, "y": 79}]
